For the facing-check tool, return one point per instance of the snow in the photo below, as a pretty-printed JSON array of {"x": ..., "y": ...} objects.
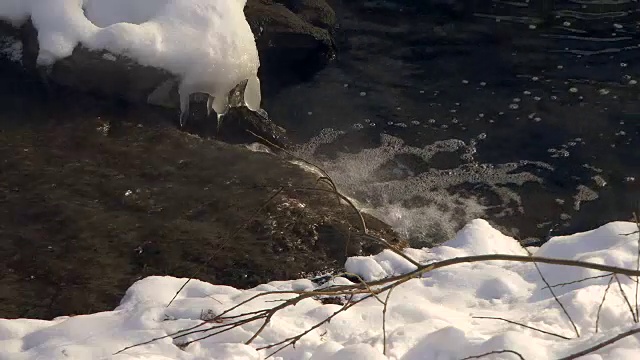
[
  {"x": 207, "y": 44},
  {"x": 432, "y": 317}
]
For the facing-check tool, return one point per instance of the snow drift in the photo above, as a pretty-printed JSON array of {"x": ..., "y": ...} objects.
[{"x": 433, "y": 317}]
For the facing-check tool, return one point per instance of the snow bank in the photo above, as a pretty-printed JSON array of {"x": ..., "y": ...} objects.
[
  {"x": 428, "y": 318},
  {"x": 208, "y": 44}
]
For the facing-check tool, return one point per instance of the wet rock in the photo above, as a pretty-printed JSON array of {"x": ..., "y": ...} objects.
[
  {"x": 94, "y": 197},
  {"x": 294, "y": 41}
]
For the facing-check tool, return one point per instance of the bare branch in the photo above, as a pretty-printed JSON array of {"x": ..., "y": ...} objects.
[
  {"x": 602, "y": 344},
  {"x": 626, "y": 299},
  {"x": 604, "y": 297},
  {"x": 523, "y": 325},
  {"x": 495, "y": 352},
  {"x": 224, "y": 243},
  {"x": 578, "y": 281},
  {"x": 573, "y": 324},
  {"x": 384, "y": 322},
  {"x": 637, "y": 219}
]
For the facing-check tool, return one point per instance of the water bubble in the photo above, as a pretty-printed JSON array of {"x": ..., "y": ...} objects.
[
  {"x": 483, "y": 83},
  {"x": 633, "y": 82},
  {"x": 363, "y": 93},
  {"x": 537, "y": 98},
  {"x": 454, "y": 121},
  {"x": 453, "y": 110},
  {"x": 431, "y": 121},
  {"x": 526, "y": 92},
  {"x": 604, "y": 91},
  {"x": 421, "y": 91},
  {"x": 444, "y": 126},
  {"x": 513, "y": 106},
  {"x": 357, "y": 126},
  {"x": 560, "y": 67},
  {"x": 481, "y": 115},
  {"x": 617, "y": 26},
  {"x": 367, "y": 120},
  {"x": 346, "y": 85},
  {"x": 415, "y": 122},
  {"x": 482, "y": 136},
  {"x": 573, "y": 90},
  {"x": 537, "y": 119},
  {"x": 553, "y": 97},
  {"x": 566, "y": 23},
  {"x": 623, "y": 64},
  {"x": 310, "y": 113},
  {"x": 465, "y": 81},
  {"x": 389, "y": 122},
  {"x": 535, "y": 78},
  {"x": 532, "y": 27},
  {"x": 516, "y": 100}
]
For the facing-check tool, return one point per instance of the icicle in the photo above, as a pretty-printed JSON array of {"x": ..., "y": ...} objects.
[
  {"x": 209, "y": 104},
  {"x": 252, "y": 96},
  {"x": 184, "y": 106}
]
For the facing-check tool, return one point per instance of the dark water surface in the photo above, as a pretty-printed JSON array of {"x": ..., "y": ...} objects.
[{"x": 504, "y": 110}]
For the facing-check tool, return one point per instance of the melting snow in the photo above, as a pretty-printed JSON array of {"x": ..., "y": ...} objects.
[
  {"x": 208, "y": 44},
  {"x": 428, "y": 318}
]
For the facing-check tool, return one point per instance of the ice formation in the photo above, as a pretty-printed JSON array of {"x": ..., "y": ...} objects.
[{"x": 207, "y": 44}]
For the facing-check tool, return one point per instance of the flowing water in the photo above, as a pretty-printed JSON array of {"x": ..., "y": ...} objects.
[{"x": 524, "y": 113}]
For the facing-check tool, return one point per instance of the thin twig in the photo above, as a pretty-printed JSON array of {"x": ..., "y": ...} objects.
[
  {"x": 601, "y": 344},
  {"x": 626, "y": 299},
  {"x": 637, "y": 219},
  {"x": 523, "y": 325},
  {"x": 386, "y": 283},
  {"x": 495, "y": 352},
  {"x": 578, "y": 281},
  {"x": 384, "y": 322},
  {"x": 224, "y": 243},
  {"x": 573, "y": 324},
  {"x": 604, "y": 297}
]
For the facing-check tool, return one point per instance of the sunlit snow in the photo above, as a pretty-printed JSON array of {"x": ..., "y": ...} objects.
[
  {"x": 207, "y": 44},
  {"x": 428, "y": 318}
]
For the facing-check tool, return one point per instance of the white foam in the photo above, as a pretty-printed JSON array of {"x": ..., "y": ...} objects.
[{"x": 422, "y": 207}]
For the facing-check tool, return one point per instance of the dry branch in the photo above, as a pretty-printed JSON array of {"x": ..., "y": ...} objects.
[
  {"x": 604, "y": 297},
  {"x": 600, "y": 345},
  {"x": 494, "y": 353},
  {"x": 523, "y": 325}
]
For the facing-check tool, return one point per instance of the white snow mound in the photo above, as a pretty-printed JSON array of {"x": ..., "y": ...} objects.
[
  {"x": 207, "y": 43},
  {"x": 433, "y": 317}
]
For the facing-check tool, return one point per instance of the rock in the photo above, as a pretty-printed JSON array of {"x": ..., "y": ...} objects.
[
  {"x": 293, "y": 45},
  {"x": 291, "y": 48},
  {"x": 316, "y": 12},
  {"x": 94, "y": 197}
]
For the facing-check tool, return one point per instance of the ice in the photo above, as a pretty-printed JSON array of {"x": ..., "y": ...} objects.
[
  {"x": 436, "y": 316},
  {"x": 207, "y": 44}
]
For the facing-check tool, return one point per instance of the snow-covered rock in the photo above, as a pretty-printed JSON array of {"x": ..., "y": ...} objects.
[{"x": 153, "y": 51}]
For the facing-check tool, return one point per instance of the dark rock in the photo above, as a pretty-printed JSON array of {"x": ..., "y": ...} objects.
[
  {"x": 93, "y": 198},
  {"x": 291, "y": 49},
  {"x": 316, "y": 12}
]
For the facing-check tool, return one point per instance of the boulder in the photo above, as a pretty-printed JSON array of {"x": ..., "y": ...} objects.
[
  {"x": 292, "y": 46},
  {"x": 294, "y": 39},
  {"x": 94, "y": 197}
]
